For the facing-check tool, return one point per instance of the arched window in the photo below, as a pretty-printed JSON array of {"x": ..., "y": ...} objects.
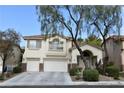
[{"x": 56, "y": 45}]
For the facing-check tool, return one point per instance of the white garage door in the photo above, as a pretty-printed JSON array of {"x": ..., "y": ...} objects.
[
  {"x": 55, "y": 65},
  {"x": 33, "y": 65}
]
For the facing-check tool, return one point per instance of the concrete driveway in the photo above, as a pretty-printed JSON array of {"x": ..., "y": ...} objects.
[{"x": 39, "y": 78}]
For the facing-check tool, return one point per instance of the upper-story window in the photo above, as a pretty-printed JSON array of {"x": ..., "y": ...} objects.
[
  {"x": 34, "y": 44},
  {"x": 56, "y": 45}
]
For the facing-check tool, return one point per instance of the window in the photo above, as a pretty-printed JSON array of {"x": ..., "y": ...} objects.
[
  {"x": 38, "y": 44},
  {"x": 56, "y": 45},
  {"x": 34, "y": 44}
]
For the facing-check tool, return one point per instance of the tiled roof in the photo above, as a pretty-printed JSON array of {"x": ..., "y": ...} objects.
[
  {"x": 98, "y": 47},
  {"x": 34, "y": 37},
  {"x": 116, "y": 37}
]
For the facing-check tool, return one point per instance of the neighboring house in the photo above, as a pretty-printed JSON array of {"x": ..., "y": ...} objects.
[
  {"x": 13, "y": 60},
  {"x": 55, "y": 53},
  {"x": 115, "y": 47}
]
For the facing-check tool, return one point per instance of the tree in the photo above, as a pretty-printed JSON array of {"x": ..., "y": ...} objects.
[
  {"x": 57, "y": 19},
  {"x": 93, "y": 40},
  {"x": 8, "y": 39},
  {"x": 80, "y": 41},
  {"x": 105, "y": 20}
]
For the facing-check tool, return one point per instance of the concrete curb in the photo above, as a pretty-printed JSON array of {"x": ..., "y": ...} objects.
[
  {"x": 83, "y": 84},
  {"x": 99, "y": 83},
  {"x": 64, "y": 86}
]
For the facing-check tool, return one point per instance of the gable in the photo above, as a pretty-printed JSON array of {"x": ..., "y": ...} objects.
[
  {"x": 85, "y": 44},
  {"x": 93, "y": 49},
  {"x": 56, "y": 37},
  {"x": 89, "y": 47},
  {"x": 93, "y": 46}
]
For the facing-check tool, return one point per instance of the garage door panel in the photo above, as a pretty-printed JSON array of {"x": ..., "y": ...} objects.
[
  {"x": 33, "y": 66},
  {"x": 55, "y": 66}
]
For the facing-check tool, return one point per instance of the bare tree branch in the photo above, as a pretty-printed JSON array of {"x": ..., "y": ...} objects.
[
  {"x": 78, "y": 23},
  {"x": 99, "y": 29},
  {"x": 71, "y": 15}
]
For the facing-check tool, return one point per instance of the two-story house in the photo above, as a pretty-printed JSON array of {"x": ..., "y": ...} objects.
[
  {"x": 115, "y": 47},
  {"x": 55, "y": 53},
  {"x": 47, "y": 54}
]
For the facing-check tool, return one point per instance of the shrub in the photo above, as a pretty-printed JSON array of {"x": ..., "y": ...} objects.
[
  {"x": 74, "y": 71},
  {"x": 17, "y": 69},
  {"x": 90, "y": 75},
  {"x": 110, "y": 64},
  {"x": 78, "y": 76},
  {"x": 112, "y": 71},
  {"x": 80, "y": 69},
  {"x": 1, "y": 77},
  {"x": 100, "y": 70}
]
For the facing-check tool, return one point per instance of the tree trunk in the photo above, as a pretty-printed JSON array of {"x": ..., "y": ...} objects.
[
  {"x": 3, "y": 66},
  {"x": 106, "y": 58},
  {"x": 81, "y": 53}
]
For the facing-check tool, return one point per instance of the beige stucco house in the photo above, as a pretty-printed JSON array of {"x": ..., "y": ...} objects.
[
  {"x": 115, "y": 47},
  {"x": 55, "y": 54}
]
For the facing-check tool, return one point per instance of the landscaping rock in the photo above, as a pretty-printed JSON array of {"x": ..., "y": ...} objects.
[{"x": 105, "y": 78}]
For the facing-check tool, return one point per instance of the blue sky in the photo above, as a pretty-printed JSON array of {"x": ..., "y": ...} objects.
[{"x": 23, "y": 19}]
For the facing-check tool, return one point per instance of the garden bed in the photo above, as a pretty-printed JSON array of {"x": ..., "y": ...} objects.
[
  {"x": 105, "y": 78},
  {"x": 101, "y": 78}
]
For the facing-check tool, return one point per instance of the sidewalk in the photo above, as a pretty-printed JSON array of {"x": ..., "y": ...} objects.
[
  {"x": 82, "y": 84},
  {"x": 117, "y": 82}
]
